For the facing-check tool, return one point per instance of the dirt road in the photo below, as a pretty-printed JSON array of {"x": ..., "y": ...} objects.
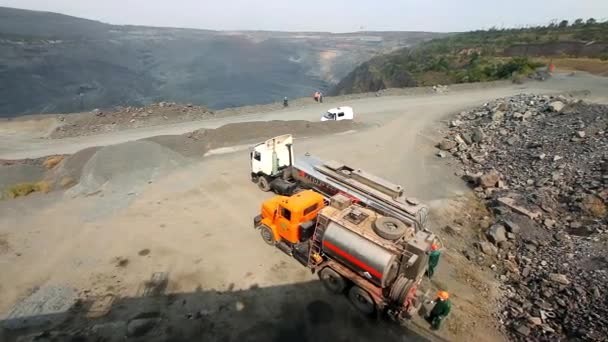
[
  {"x": 192, "y": 230},
  {"x": 380, "y": 110}
]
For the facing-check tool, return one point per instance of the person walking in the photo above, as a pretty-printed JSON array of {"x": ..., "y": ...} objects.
[
  {"x": 440, "y": 310},
  {"x": 434, "y": 256}
]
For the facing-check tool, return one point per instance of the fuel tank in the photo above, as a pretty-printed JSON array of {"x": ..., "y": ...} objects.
[{"x": 360, "y": 254}]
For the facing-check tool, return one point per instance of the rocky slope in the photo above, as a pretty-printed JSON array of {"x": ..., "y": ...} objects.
[
  {"x": 541, "y": 164},
  {"x": 476, "y": 56},
  {"x": 52, "y": 63}
]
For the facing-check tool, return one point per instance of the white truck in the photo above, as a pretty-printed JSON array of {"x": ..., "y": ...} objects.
[
  {"x": 274, "y": 167},
  {"x": 338, "y": 114}
]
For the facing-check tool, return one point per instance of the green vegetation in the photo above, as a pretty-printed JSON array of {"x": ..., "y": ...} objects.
[{"x": 479, "y": 56}]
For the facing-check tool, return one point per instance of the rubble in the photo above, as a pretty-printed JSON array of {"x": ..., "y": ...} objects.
[
  {"x": 98, "y": 121},
  {"x": 541, "y": 164}
]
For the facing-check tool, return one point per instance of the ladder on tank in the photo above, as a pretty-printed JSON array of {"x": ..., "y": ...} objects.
[{"x": 314, "y": 256}]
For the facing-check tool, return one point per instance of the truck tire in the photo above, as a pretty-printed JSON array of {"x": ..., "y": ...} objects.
[
  {"x": 267, "y": 235},
  {"x": 400, "y": 289},
  {"x": 264, "y": 184},
  {"x": 389, "y": 228},
  {"x": 332, "y": 281},
  {"x": 361, "y": 300}
]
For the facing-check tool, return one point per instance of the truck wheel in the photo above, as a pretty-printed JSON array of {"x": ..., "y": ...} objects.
[
  {"x": 263, "y": 184},
  {"x": 332, "y": 281},
  {"x": 389, "y": 228},
  {"x": 400, "y": 289},
  {"x": 267, "y": 235},
  {"x": 361, "y": 300}
]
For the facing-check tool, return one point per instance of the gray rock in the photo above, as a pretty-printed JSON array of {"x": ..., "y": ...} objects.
[
  {"x": 511, "y": 236},
  {"x": 141, "y": 326},
  {"x": 467, "y": 138},
  {"x": 511, "y": 226},
  {"x": 498, "y": 115},
  {"x": 559, "y": 278},
  {"x": 489, "y": 180},
  {"x": 455, "y": 123},
  {"x": 511, "y": 266},
  {"x": 535, "y": 321},
  {"x": 447, "y": 145},
  {"x": 496, "y": 233},
  {"x": 477, "y": 135},
  {"x": 580, "y": 134},
  {"x": 440, "y": 154},
  {"x": 522, "y": 329},
  {"x": 487, "y": 248},
  {"x": 549, "y": 223},
  {"x": 556, "y": 106}
]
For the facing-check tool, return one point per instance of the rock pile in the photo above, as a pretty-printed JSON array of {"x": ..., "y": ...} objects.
[
  {"x": 541, "y": 163},
  {"x": 98, "y": 121}
]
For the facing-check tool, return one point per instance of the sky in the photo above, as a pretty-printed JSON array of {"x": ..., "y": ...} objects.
[{"x": 325, "y": 15}]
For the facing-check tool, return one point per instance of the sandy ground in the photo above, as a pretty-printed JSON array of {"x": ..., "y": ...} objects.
[{"x": 194, "y": 227}]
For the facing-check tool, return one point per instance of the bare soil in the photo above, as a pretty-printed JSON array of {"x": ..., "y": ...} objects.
[{"x": 208, "y": 274}]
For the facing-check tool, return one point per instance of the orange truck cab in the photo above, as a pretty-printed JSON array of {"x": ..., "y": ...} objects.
[{"x": 289, "y": 220}]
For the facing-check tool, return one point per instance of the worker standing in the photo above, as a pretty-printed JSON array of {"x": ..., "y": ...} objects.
[
  {"x": 440, "y": 310},
  {"x": 285, "y": 102},
  {"x": 434, "y": 256}
]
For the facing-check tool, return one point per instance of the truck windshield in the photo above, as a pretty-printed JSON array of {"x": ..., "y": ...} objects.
[{"x": 329, "y": 115}]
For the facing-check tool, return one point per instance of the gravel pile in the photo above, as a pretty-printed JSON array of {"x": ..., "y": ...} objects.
[
  {"x": 117, "y": 173},
  {"x": 99, "y": 121},
  {"x": 124, "y": 167},
  {"x": 541, "y": 163}
]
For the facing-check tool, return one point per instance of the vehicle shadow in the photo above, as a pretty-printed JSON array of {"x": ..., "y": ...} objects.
[{"x": 292, "y": 312}]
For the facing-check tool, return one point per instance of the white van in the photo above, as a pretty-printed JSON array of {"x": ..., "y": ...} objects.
[{"x": 337, "y": 114}]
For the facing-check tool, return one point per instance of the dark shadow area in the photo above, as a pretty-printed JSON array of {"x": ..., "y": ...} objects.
[{"x": 294, "y": 312}]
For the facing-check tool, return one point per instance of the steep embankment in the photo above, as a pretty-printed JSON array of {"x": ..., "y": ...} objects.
[
  {"x": 478, "y": 56},
  {"x": 52, "y": 63}
]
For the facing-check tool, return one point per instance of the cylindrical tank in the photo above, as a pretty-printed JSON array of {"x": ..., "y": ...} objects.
[{"x": 360, "y": 254}]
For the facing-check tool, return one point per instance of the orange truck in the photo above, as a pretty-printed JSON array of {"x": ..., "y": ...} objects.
[{"x": 378, "y": 261}]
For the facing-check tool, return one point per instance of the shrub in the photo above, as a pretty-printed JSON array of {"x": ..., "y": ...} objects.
[
  {"x": 24, "y": 189},
  {"x": 51, "y": 162}
]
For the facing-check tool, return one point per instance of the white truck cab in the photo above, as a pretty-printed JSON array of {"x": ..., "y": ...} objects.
[
  {"x": 337, "y": 114},
  {"x": 272, "y": 156}
]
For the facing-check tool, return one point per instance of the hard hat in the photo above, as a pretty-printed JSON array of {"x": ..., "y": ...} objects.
[
  {"x": 443, "y": 295},
  {"x": 434, "y": 247}
]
